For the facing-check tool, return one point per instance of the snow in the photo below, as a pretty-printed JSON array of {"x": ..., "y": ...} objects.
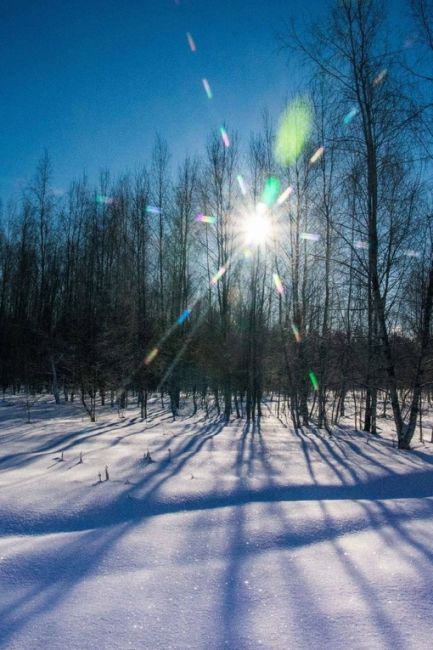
[{"x": 244, "y": 538}]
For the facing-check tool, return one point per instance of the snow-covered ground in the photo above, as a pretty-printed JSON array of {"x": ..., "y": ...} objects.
[{"x": 239, "y": 538}]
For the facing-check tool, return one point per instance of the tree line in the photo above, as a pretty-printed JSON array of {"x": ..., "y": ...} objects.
[{"x": 148, "y": 282}]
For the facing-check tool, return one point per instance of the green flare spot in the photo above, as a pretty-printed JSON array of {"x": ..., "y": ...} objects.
[
  {"x": 271, "y": 191},
  {"x": 293, "y": 132},
  {"x": 314, "y": 381}
]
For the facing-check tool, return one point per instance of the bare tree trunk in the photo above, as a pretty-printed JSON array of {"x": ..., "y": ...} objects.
[{"x": 54, "y": 378}]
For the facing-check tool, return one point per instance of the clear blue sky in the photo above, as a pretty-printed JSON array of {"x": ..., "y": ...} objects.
[{"x": 94, "y": 80}]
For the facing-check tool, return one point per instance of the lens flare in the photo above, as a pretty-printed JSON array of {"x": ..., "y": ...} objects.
[
  {"x": 284, "y": 195},
  {"x": 151, "y": 356},
  {"x": 225, "y": 137},
  {"x": 271, "y": 191},
  {"x": 218, "y": 275},
  {"x": 184, "y": 315},
  {"x": 296, "y": 333},
  {"x": 205, "y": 218},
  {"x": 278, "y": 283},
  {"x": 380, "y": 77},
  {"x": 191, "y": 42},
  {"x": 152, "y": 209},
  {"x": 293, "y": 132},
  {"x": 317, "y": 155},
  {"x": 242, "y": 185},
  {"x": 350, "y": 115},
  {"x": 207, "y": 88},
  {"x": 314, "y": 381},
  {"x": 310, "y": 236},
  {"x": 101, "y": 199}
]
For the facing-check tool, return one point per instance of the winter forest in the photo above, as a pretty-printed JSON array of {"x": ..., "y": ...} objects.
[
  {"x": 279, "y": 279},
  {"x": 327, "y": 298}
]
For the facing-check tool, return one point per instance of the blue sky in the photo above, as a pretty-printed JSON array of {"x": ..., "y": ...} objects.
[{"x": 93, "y": 81}]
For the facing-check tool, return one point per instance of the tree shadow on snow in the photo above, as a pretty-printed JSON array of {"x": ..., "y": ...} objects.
[{"x": 51, "y": 575}]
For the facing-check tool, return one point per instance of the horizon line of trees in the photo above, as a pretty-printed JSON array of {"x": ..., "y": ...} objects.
[{"x": 92, "y": 282}]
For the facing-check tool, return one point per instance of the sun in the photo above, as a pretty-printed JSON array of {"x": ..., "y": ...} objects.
[{"x": 257, "y": 227}]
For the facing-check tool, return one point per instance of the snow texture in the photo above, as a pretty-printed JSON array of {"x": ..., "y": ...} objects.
[{"x": 239, "y": 537}]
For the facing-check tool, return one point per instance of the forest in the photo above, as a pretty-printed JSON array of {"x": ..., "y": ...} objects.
[{"x": 295, "y": 265}]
